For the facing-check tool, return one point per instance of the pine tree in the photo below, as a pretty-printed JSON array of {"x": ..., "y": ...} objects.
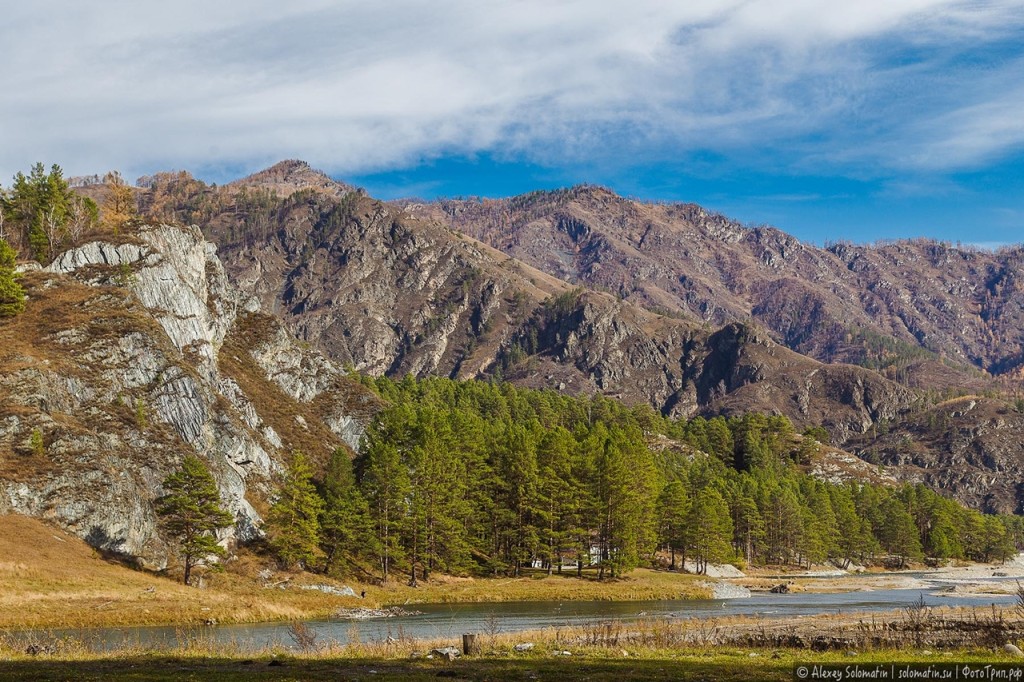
[
  {"x": 385, "y": 482},
  {"x": 293, "y": 522},
  {"x": 673, "y": 508},
  {"x": 40, "y": 204},
  {"x": 898, "y": 533},
  {"x": 345, "y": 529},
  {"x": 854, "y": 541},
  {"x": 12, "y": 295},
  {"x": 190, "y": 510},
  {"x": 555, "y": 490},
  {"x": 709, "y": 529},
  {"x": 748, "y": 526}
]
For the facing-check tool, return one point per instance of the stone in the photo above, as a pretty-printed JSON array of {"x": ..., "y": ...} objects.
[
  {"x": 525, "y": 646},
  {"x": 449, "y": 653},
  {"x": 1013, "y": 650},
  {"x": 167, "y": 309},
  {"x": 344, "y": 591}
]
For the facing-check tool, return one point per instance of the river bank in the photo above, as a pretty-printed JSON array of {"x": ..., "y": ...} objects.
[
  {"x": 655, "y": 664},
  {"x": 961, "y": 578},
  {"x": 724, "y": 649},
  {"x": 49, "y": 579}
]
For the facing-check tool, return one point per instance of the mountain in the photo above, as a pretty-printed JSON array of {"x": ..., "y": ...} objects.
[
  {"x": 134, "y": 351},
  {"x": 921, "y": 311},
  {"x": 287, "y": 177},
  {"x": 388, "y": 293},
  {"x": 396, "y": 289}
]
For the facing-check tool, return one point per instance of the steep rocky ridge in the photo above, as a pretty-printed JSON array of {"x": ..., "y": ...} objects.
[
  {"x": 922, "y": 299},
  {"x": 969, "y": 445},
  {"x": 598, "y": 344},
  {"x": 387, "y": 293},
  {"x": 287, "y": 177},
  {"x": 388, "y": 289},
  {"x": 135, "y": 351}
]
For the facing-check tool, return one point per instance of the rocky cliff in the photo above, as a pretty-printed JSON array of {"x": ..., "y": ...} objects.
[
  {"x": 970, "y": 446},
  {"x": 681, "y": 309},
  {"x": 135, "y": 351},
  {"x": 900, "y": 307},
  {"x": 387, "y": 293}
]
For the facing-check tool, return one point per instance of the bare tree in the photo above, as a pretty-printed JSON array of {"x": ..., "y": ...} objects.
[
  {"x": 80, "y": 220},
  {"x": 55, "y": 230}
]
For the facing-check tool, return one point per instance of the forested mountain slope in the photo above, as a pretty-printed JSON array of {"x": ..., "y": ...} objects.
[
  {"x": 387, "y": 290},
  {"x": 390, "y": 294}
]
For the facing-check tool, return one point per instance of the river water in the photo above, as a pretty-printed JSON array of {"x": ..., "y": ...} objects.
[{"x": 449, "y": 621}]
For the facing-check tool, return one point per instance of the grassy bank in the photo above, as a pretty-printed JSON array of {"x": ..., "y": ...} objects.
[
  {"x": 621, "y": 665},
  {"x": 50, "y": 579},
  {"x": 641, "y": 584}
]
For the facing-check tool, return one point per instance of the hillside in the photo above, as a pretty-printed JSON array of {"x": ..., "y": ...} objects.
[
  {"x": 135, "y": 351},
  {"x": 379, "y": 290},
  {"x": 390, "y": 294},
  {"x": 900, "y": 307}
]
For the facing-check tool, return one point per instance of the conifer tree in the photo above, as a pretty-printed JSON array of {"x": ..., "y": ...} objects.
[
  {"x": 12, "y": 295},
  {"x": 673, "y": 508},
  {"x": 345, "y": 529},
  {"x": 39, "y": 204},
  {"x": 118, "y": 206},
  {"x": 898, "y": 533},
  {"x": 386, "y": 484},
  {"x": 293, "y": 522},
  {"x": 190, "y": 510},
  {"x": 555, "y": 490},
  {"x": 709, "y": 529}
]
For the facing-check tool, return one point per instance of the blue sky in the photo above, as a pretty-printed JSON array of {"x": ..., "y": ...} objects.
[{"x": 861, "y": 121}]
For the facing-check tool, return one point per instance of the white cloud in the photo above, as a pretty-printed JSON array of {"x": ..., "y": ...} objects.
[{"x": 354, "y": 87}]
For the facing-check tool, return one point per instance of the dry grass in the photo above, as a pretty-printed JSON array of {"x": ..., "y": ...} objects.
[
  {"x": 49, "y": 578},
  {"x": 274, "y": 406},
  {"x": 641, "y": 584}
]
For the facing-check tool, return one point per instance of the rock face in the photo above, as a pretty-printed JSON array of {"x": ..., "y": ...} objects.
[
  {"x": 896, "y": 305},
  {"x": 388, "y": 294},
  {"x": 132, "y": 354},
  {"x": 686, "y": 311},
  {"x": 970, "y": 446}
]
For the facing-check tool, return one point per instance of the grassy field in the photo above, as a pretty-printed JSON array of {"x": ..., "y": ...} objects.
[
  {"x": 50, "y": 579},
  {"x": 613, "y": 666},
  {"x": 641, "y": 584}
]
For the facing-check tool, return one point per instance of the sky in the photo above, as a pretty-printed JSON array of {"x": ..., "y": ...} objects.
[{"x": 866, "y": 120}]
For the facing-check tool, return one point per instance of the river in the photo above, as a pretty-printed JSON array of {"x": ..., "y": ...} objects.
[{"x": 449, "y": 621}]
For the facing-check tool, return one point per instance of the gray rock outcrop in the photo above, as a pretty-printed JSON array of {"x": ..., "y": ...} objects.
[{"x": 132, "y": 354}]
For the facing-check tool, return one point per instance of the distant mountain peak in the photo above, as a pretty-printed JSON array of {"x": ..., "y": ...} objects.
[{"x": 293, "y": 175}]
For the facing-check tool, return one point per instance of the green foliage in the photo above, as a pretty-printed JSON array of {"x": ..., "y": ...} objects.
[
  {"x": 486, "y": 478},
  {"x": 35, "y": 442},
  {"x": 345, "y": 530},
  {"x": 535, "y": 477},
  {"x": 818, "y": 433},
  {"x": 293, "y": 522},
  {"x": 140, "y": 413},
  {"x": 40, "y": 206},
  {"x": 190, "y": 511},
  {"x": 12, "y": 295},
  {"x": 709, "y": 529}
]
